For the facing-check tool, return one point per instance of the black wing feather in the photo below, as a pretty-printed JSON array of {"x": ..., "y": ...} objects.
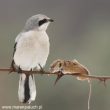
[{"x": 13, "y": 63}]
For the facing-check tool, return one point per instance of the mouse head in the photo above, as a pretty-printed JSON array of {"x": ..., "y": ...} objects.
[{"x": 56, "y": 66}]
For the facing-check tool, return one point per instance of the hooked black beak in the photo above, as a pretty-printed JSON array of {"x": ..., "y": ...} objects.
[{"x": 50, "y": 20}]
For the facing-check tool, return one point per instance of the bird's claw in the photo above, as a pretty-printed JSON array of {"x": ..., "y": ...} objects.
[
  {"x": 11, "y": 70},
  {"x": 19, "y": 70},
  {"x": 41, "y": 69}
]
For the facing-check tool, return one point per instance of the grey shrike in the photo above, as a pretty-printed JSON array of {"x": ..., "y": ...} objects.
[{"x": 31, "y": 50}]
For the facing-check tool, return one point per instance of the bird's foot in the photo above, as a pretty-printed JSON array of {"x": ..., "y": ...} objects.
[
  {"x": 41, "y": 69},
  {"x": 19, "y": 70},
  {"x": 12, "y": 68}
]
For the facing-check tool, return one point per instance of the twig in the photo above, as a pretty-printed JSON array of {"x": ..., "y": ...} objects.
[{"x": 100, "y": 78}]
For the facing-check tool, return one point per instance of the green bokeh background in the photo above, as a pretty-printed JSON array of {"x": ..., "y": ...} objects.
[{"x": 81, "y": 31}]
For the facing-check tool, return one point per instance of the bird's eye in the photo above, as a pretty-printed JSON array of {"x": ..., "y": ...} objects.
[
  {"x": 42, "y": 22},
  {"x": 59, "y": 64}
]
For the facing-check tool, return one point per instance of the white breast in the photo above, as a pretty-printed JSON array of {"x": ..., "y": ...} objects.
[{"x": 32, "y": 49}]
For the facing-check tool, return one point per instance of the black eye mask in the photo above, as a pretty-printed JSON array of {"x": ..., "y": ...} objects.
[{"x": 42, "y": 21}]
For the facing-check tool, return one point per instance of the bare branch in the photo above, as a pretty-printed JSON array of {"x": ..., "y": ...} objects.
[{"x": 100, "y": 78}]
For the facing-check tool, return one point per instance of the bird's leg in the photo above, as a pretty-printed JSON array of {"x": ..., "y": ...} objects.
[
  {"x": 19, "y": 70},
  {"x": 59, "y": 75},
  {"x": 12, "y": 68},
  {"x": 31, "y": 70},
  {"x": 41, "y": 69}
]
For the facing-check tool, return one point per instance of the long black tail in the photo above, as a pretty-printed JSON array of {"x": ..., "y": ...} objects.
[{"x": 27, "y": 89}]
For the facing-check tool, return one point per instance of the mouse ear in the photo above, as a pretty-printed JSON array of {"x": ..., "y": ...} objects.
[
  {"x": 75, "y": 61},
  {"x": 54, "y": 62}
]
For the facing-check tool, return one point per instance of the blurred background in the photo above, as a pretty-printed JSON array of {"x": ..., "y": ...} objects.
[{"x": 81, "y": 31}]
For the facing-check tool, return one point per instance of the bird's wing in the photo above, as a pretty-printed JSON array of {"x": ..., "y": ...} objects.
[{"x": 14, "y": 50}]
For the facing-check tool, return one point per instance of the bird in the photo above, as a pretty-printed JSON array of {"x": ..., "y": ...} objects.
[{"x": 31, "y": 51}]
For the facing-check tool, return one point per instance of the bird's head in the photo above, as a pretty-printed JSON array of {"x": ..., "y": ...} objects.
[{"x": 39, "y": 22}]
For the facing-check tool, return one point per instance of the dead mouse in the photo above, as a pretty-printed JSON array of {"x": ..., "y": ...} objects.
[{"x": 62, "y": 67}]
